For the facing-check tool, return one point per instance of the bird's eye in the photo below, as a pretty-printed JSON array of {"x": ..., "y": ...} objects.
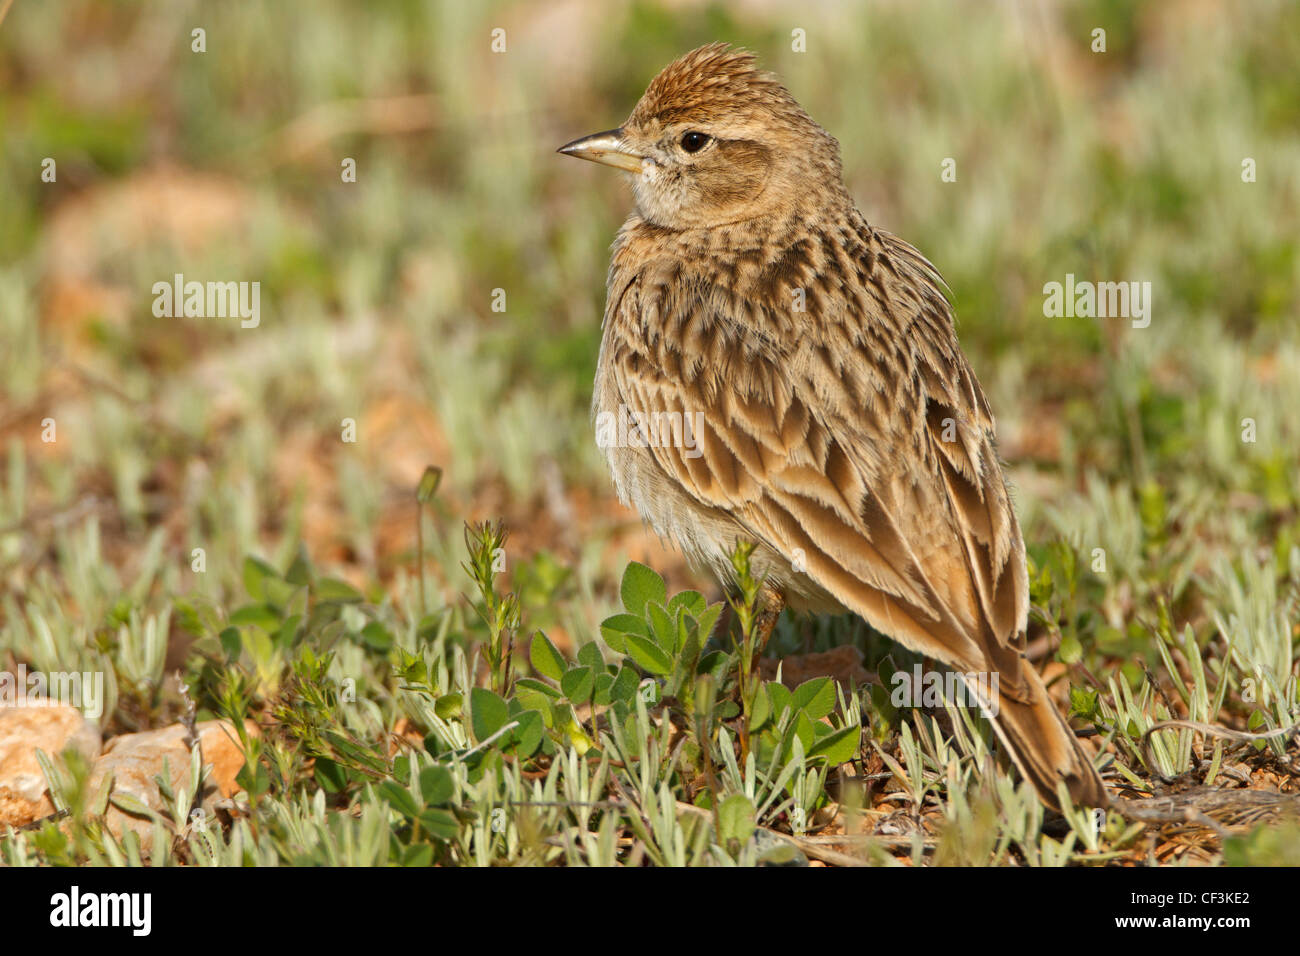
[{"x": 693, "y": 142}]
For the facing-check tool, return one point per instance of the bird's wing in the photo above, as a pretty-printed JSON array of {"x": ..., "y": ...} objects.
[{"x": 856, "y": 443}]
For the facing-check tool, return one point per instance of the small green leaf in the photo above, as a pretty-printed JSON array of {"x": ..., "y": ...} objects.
[
  {"x": 802, "y": 728},
  {"x": 1253, "y": 723},
  {"x": 128, "y": 802},
  {"x": 278, "y": 592},
  {"x": 600, "y": 694},
  {"x": 735, "y": 819},
  {"x": 534, "y": 694},
  {"x": 662, "y": 627},
  {"x": 625, "y": 685},
  {"x": 837, "y": 747},
  {"x": 613, "y": 629},
  {"x": 528, "y": 735},
  {"x": 441, "y": 823},
  {"x": 688, "y": 654},
  {"x": 253, "y": 778},
  {"x": 641, "y": 585},
  {"x": 781, "y": 698},
  {"x": 300, "y": 571},
  {"x": 648, "y": 655},
  {"x": 419, "y": 854},
  {"x": 428, "y": 486},
  {"x": 816, "y": 697},
  {"x": 377, "y": 637},
  {"x": 589, "y": 654},
  {"x": 288, "y": 631},
  {"x": 231, "y": 643},
  {"x": 762, "y": 709},
  {"x": 332, "y": 777},
  {"x": 256, "y": 572},
  {"x": 578, "y": 684},
  {"x": 693, "y": 601},
  {"x": 489, "y": 712},
  {"x": 545, "y": 658},
  {"x": 715, "y": 663},
  {"x": 533, "y": 684},
  {"x": 399, "y": 798},
  {"x": 1083, "y": 703},
  {"x": 258, "y": 615},
  {"x": 436, "y": 784},
  {"x": 1070, "y": 650},
  {"x": 334, "y": 591},
  {"x": 532, "y": 699},
  {"x": 708, "y": 620},
  {"x": 449, "y": 706}
]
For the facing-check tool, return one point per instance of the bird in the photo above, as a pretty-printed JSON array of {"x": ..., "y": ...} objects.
[{"x": 837, "y": 424}]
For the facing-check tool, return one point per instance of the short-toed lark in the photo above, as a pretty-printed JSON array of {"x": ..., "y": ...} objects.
[{"x": 840, "y": 426}]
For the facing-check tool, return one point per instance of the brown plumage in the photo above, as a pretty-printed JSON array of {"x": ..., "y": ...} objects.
[{"x": 841, "y": 426}]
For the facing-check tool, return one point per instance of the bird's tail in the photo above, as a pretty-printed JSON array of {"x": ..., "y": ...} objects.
[{"x": 1044, "y": 748}]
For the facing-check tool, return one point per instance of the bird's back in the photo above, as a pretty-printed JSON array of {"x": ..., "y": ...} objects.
[{"x": 823, "y": 359}]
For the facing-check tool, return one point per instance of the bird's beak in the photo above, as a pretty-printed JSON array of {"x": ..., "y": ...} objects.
[{"x": 608, "y": 148}]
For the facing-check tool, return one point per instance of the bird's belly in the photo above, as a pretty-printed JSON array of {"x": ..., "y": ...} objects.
[{"x": 706, "y": 536}]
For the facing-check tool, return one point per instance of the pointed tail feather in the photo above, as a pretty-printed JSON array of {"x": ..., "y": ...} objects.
[{"x": 1045, "y": 749}]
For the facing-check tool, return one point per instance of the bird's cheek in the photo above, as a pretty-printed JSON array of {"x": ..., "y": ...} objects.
[
  {"x": 659, "y": 195},
  {"x": 644, "y": 194},
  {"x": 724, "y": 189}
]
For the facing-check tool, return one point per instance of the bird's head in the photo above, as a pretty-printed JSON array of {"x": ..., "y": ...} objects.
[{"x": 715, "y": 141}]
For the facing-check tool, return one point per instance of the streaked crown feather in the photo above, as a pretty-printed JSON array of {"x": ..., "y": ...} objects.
[{"x": 713, "y": 80}]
